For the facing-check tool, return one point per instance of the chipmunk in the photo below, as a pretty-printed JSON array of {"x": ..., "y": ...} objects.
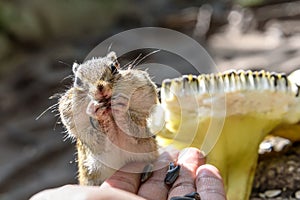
[{"x": 107, "y": 112}]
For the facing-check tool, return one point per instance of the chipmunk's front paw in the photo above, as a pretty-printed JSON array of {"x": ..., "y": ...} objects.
[{"x": 120, "y": 103}]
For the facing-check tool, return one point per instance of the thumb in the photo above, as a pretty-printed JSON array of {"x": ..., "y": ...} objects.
[
  {"x": 209, "y": 183},
  {"x": 127, "y": 178}
]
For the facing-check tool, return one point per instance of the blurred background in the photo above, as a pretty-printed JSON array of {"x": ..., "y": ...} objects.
[{"x": 39, "y": 41}]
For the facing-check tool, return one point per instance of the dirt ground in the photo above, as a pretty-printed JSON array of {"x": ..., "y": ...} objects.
[{"x": 35, "y": 154}]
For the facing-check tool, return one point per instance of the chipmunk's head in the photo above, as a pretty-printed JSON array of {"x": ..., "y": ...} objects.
[
  {"x": 94, "y": 81},
  {"x": 96, "y": 77},
  {"x": 100, "y": 81}
]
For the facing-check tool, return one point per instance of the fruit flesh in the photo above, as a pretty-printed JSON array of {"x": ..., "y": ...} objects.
[
  {"x": 227, "y": 116},
  {"x": 235, "y": 151}
]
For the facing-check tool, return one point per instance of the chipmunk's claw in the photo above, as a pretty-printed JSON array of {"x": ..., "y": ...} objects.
[
  {"x": 120, "y": 102},
  {"x": 94, "y": 123}
]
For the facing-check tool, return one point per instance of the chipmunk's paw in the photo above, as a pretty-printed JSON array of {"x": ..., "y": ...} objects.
[{"x": 120, "y": 103}]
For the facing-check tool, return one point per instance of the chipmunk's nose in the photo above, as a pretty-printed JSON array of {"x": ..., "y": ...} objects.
[
  {"x": 103, "y": 90},
  {"x": 100, "y": 88}
]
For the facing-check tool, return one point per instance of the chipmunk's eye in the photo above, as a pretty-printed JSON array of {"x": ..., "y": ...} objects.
[
  {"x": 78, "y": 82},
  {"x": 114, "y": 68}
]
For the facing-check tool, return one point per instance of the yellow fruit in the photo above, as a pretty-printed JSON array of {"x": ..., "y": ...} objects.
[{"x": 227, "y": 116}]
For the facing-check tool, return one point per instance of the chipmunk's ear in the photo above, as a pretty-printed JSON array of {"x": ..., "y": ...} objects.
[
  {"x": 112, "y": 56},
  {"x": 75, "y": 67}
]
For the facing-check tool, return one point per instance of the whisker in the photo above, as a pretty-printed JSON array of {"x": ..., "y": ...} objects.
[
  {"x": 152, "y": 77},
  {"x": 143, "y": 58},
  {"x": 62, "y": 62},
  {"x": 131, "y": 63},
  {"x": 49, "y": 108},
  {"x": 136, "y": 59},
  {"x": 109, "y": 48},
  {"x": 67, "y": 77},
  {"x": 56, "y": 96},
  {"x": 56, "y": 123}
]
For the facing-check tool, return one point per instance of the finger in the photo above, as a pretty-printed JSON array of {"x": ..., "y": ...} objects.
[
  {"x": 84, "y": 193},
  {"x": 127, "y": 178},
  {"x": 64, "y": 192},
  {"x": 189, "y": 159},
  {"x": 155, "y": 184},
  {"x": 209, "y": 183}
]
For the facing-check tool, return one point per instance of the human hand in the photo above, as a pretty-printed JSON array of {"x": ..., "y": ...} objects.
[{"x": 195, "y": 176}]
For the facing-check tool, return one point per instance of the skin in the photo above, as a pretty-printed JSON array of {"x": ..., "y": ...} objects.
[{"x": 195, "y": 175}]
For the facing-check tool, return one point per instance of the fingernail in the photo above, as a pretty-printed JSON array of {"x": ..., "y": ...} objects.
[
  {"x": 147, "y": 172},
  {"x": 193, "y": 195},
  {"x": 181, "y": 198},
  {"x": 190, "y": 196},
  {"x": 172, "y": 174}
]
